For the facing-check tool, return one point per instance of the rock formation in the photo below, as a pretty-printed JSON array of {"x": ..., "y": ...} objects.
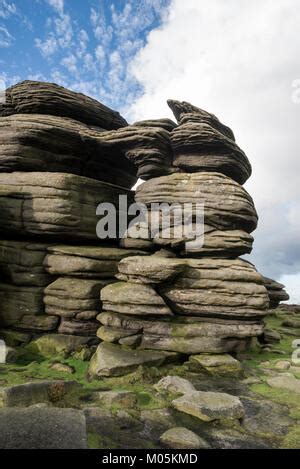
[
  {"x": 158, "y": 297},
  {"x": 187, "y": 297},
  {"x": 276, "y": 292}
]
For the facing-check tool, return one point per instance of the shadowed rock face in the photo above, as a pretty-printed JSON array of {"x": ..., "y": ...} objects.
[
  {"x": 53, "y": 204},
  {"x": 34, "y": 97},
  {"x": 35, "y": 142},
  {"x": 145, "y": 144}
]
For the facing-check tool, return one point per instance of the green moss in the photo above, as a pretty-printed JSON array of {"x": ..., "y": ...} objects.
[
  {"x": 292, "y": 439},
  {"x": 96, "y": 441},
  {"x": 280, "y": 396}
]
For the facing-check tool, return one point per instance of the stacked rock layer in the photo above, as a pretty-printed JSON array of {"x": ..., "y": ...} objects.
[
  {"x": 158, "y": 296},
  {"x": 54, "y": 171},
  {"x": 187, "y": 297}
]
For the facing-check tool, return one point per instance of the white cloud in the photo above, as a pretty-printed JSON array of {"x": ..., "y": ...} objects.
[
  {"x": 7, "y": 9},
  {"x": 58, "y": 5},
  {"x": 70, "y": 62},
  {"x": 47, "y": 47},
  {"x": 293, "y": 282},
  {"x": 239, "y": 61},
  {"x": 6, "y": 38}
]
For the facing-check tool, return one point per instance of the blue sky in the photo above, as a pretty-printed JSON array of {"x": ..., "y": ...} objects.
[
  {"x": 86, "y": 45},
  {"x": 236, "y": 58}
]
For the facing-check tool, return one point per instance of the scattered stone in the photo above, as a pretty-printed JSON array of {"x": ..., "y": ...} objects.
[
  {"x": 63, "y": 368},
  {"x": 126, "y": 399},
  {"x": 294, "y": 323},
  {"x": 285, "y": 381},
  {"x": 182, "y": 438},
  {"x": 39, "y": 427},
  {"x": 22, "y": 395},
  {"x": 114, "y": 360},
  {"x": 282, "y": 365},
  {"x": 174, "y": 384},
  {"x": 210, "y": 406},
  {"x": 220, "y": 365},
  {"x": 270, "y": 336}
]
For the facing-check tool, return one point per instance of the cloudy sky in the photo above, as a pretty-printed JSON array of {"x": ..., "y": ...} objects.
[{"x": 236, "y": 58}]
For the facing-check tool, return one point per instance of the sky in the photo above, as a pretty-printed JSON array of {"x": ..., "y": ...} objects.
[{"x": 235, "y": 58}]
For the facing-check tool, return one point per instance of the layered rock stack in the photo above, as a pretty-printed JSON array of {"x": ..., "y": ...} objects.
[
  {"x": 164, "y": 294},
  {"x": 186, "y": 298},
  {"x": 276, "y": 292},
  {"x": 54, "y": 171}
]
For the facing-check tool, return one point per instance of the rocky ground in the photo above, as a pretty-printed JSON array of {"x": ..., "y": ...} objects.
[{"x": 208, "y": 402}]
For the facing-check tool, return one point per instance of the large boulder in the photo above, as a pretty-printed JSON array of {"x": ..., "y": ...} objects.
[
  {"x": 227, "y": 205},
  {"x": 210, "y": 406},
  {"x": 27, "y": 394},
  {"x": 113, "y": 360},
  {"x": 55, "y": 205},
  {"x": 228, "y": 288},
  {"x": 34, "y": 97},
  {"x": 39, "y": 427},
  {"x": 34, "y": 142}
]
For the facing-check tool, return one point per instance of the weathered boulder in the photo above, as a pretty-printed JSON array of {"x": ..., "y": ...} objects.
[
  {"x": 210, "y": 406},
  {"x": 39, "y": 427},
  {"x": 34, "y": 97},
  {"x": 198, "y": 147},
  {"x": 202, "y": 143},
  {"x": 227, "y": 205},
  {"x": 114, "y": 360},
  {"x": 136, "y": 299},
  {"x": 27, "y": 394},
  {"x": 175, "y": 385},
  {"x": 218, "y": 288},
  {"x": 53, "y": 204},
  {"x": 88, "y": 262},
  {"x": 216, "y": 365},
  {"x": 182, "y": 438},
  {"x": 286, "y": 382},
  {"x": 35, "y": 142}
]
